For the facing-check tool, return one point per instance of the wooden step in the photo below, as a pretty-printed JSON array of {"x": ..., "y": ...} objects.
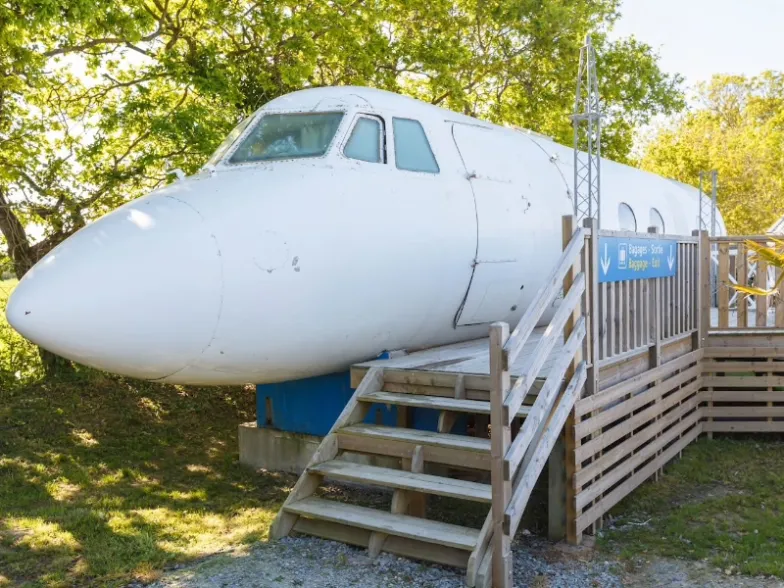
[
  {"x": 434, "y": 402},
  {"x": 401, "y": 479},
  {"x": 392, "y": 524},
  {"x": 455, "y": 450}
]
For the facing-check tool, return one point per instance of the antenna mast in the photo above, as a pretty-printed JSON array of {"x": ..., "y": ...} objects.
[
  {"x": 707, "y": 213},
  {"x": 587, "y": 138}
]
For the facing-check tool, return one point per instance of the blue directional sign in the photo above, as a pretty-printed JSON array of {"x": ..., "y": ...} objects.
[{"x": 636, "y": 259}]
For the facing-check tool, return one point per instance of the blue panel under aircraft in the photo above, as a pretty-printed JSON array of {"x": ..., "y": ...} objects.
[{"x": 312, "y": 405}]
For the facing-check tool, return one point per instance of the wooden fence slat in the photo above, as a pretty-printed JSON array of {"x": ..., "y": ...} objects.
[
  {"x": 627, "y": 315},
  {"x": 779, "y": 301},
  {"x": 613, "y": 434},
  {"x": 592, "y": 403},
  {"x": 638, "y": 458},
  {"x": 705, "y": 293},
  {"x": 744, "y": 427},
  {"x": 608, "y": 459},
  {"x": 742, "y": 265},
  {"x": 605, "y": 321},
  {"x": 743, "y": 381},
  {"x": 723, "y": 285},
  {"x": 612, "y": 313},
  {"x": 636, "y": 402},
  {"x": 762, "y": 301},
  {"x": 608, "y": 501}
]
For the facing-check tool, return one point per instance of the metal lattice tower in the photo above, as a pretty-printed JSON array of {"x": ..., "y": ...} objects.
[
  {"x": 587, "y": 138},
  {"x": 706, "y": 217}
]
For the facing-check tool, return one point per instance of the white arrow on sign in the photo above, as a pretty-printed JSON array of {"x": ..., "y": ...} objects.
[
  {"x": 671, "y": 259},
  {"x": 605, "y": 261}
]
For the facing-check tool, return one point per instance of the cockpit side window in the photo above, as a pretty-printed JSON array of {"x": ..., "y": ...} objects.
[
  {"x": 412, "y": 149},
  {"x": 366, "y": 142},
  {"x": 288, "y": 136}
]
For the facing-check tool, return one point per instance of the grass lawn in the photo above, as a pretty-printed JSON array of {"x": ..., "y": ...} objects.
[
  {"x": 104, "y": 480},
  {"x": 723, "y": 502}
]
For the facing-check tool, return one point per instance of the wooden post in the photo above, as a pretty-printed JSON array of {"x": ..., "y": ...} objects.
[
  {"x": 779, "y": 302},
  {"x": 500, "y": 439},
  {"x": 591, "y": 311},
  {"x": 722, "y": 283},
  {"x": 562, "y": 503},
  {"x": 705, "y": 296},
  {"x": 654, "y": 350},
  {"x": 742, "y": 268},
  {"x": 705, "y": 286},
  {"x": 696, "y": 285},
  {"x": 762, "y": 301}
]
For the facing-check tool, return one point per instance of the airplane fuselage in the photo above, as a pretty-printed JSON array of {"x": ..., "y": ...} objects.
[{"x": 265, "y": 268}]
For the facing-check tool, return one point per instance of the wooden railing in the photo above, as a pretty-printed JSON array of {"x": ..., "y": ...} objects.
[
  {"x": 516, "y": 464},
  {"x": 734, "y": 264},
  {"x": 627, "y": 389},
  {"x": 633, "y": 314}
]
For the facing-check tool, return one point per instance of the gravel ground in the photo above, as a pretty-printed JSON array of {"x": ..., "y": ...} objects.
[{"x": 309, "y": 562}]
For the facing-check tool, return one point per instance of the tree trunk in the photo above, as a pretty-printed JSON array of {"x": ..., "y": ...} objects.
[
  {"x": 19, "y": 249},
  {"x": 24, "y": 255}
]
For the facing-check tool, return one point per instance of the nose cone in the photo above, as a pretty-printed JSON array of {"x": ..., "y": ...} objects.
[{"x": 137, "y": 293}]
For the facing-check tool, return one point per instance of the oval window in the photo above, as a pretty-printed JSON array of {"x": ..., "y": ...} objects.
[
  {"x": 656, "y": 220},
  {"x": 626, "y": 219}
]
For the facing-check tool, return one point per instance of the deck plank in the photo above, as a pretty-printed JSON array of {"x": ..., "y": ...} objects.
[{"x": 435, "y": 402}]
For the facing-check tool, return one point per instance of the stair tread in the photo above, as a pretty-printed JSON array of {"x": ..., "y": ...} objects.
[
  {"x": 444, "y": 440},
  {"x": 430, "y": 484},
  {"x": 435, "y": 402},
  {"x": 393, "y": 524}
]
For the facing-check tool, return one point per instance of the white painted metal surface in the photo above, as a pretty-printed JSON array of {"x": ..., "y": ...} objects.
[{"x": 275, "y": 270}]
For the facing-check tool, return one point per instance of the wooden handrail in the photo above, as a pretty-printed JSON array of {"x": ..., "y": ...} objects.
[
  {"x": 518, "y": 392},
  {"x": 654, "y": 236},
  {"x": 539, "y": 450},
  {"x": 544, "y": 296},
  {"x": 544, "y": 400},
  {"x": 742, "y": 238}
]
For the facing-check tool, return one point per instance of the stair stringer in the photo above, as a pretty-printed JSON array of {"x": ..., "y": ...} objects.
[{"x": 353, "y": 413}]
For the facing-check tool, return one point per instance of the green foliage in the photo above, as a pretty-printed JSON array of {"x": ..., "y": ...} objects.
[
  {"x": 19, "y": 359},
  {"x": 98, "y": 97},
  {"x": 721, "y": 502},
  {"x": 737, "y": 129},
  {"x": 773, "y": 256},
  {"x": 104, "y": 481}
]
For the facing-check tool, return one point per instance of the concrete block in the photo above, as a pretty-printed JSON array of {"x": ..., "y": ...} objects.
[
  {"x": 278, "y": 451},
  {"x": 283, "y": 451}
]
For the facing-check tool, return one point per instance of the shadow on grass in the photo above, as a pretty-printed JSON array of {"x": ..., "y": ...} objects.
[{"x": 104, "y": 480}]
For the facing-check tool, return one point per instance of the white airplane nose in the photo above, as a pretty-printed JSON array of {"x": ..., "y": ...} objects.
[{"x": 138, "y": 292}]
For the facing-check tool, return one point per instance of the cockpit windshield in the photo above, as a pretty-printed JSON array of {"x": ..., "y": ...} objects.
[
  {"x": 287, "y": 136},
  {"x": 220, "y": 152}
]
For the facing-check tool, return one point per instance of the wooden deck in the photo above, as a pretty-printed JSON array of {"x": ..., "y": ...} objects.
[{"x": 469, "y": 358}]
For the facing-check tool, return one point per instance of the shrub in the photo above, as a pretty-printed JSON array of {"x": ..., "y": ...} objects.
[{"x": 19, "y": 359}]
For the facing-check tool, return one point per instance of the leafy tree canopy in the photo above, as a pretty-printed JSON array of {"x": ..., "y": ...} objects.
[
  {"x": 99, "y": 97},
  {"x": 738, "y": 129}
]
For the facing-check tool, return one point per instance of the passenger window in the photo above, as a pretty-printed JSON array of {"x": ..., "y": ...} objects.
[
  {"x": 626, "y": 218},
  {"x": 656, "y": 220},
  {"x": 365, "y": 141},
  {"x": 412, "y": 151}
]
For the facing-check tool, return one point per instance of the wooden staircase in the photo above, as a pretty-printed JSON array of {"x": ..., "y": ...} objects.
[
  {"x": 405, "y": 530},
  {"x": 514, "y": 457}
]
